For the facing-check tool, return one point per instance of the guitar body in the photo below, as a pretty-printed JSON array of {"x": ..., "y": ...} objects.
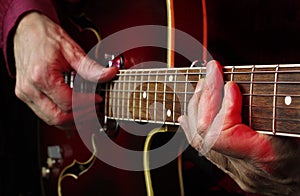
[
  {"x": 98, "y": 178},
  {"x": 77, "y": 171}
]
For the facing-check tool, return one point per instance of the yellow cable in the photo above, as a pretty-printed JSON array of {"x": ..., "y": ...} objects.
[
  {"x": 147, "y": 144},
  {"x": 179, "y": 167},
  {"x": 171, "y": 33},
  {"x": 170, "y": 63}
]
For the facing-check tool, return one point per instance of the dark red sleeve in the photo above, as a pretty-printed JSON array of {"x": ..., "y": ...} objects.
[{"x": 10, "y": 13}]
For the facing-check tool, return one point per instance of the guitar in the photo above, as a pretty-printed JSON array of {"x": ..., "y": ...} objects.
[{"x": 160, "y": 96}]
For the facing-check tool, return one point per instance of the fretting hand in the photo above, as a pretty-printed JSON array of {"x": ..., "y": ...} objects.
[
  {"x": 43, "y": 52},
  {"x": 259, "y": 163}
]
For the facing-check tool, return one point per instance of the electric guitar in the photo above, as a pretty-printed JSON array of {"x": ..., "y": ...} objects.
[{"x": 159, "y": 96}]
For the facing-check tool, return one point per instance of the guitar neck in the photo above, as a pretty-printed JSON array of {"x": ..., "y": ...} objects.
[{"x": 270, "y": 95}]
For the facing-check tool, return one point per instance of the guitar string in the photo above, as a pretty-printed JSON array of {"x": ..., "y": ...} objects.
[
  {"x": 267, "y": 115},
  {"x": 195, "y": 81},
  {"x": 191, "y": 93},
  {"x": 178, "y": 102},
  {"x": 173, "y": 71},
  {"x": 178, "y": 112}
]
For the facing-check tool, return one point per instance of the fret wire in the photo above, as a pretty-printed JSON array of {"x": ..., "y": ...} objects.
[
  {"x": 274, "y": 101},
  {"x": 141, "y": 91},
  {"x": 232, "y": 73},
  {"x": 134, "y": 96},
  {"x": 123, "y": 96},
  {"x": 251, "y": 96},
  {"x": 174, "y": 96},
  {"x": 118, "y": 109},
  {"x": 114, "y": 103},
  {"x": 155, "y": 97},
  {"x": 128, "y": 99},
  {"x": 185, "y": 90},
  {"x": 111, "y": 95},
  {"x": 164, "y": 98},
  {"x": 147, "y": 101}
]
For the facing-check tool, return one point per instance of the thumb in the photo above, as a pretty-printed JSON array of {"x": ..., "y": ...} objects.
[{"x": 86, "y": 67}]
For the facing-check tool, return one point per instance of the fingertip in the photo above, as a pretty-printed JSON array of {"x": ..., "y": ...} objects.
[
  {"x": 213, "y": 64},
  {"x": 232, "y": 89},
  {"x": 180, "y": 119},
  {"x": 233, "y": 100},
  {"x": 199, "y": 86},
  {"x": 107, "y": 74},
  {"x": 183, "y": 121}
]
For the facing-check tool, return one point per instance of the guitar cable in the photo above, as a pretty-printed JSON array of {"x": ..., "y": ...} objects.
[{"x": 170, "y": 63}]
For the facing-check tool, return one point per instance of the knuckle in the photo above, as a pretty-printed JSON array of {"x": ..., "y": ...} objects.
[{"x": 22, "y": 90}]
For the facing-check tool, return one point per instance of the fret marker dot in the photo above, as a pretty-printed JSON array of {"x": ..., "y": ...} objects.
[
  {"x": 288, "y": 100},
  {"x": 170, "y": 78},
  {"x": 144, "y": 95},
  {"x": 169, "y": 112}
]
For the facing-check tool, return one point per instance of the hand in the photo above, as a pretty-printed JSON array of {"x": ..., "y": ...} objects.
[
  {"x": 43, "y": 52},
  {"x": 258, "y": 163}
]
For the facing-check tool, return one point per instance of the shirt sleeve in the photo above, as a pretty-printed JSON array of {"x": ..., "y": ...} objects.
[{"x": 11, "y": 11}]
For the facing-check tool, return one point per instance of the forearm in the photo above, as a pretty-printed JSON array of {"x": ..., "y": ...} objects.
[
  {"x": 11, "y": 12},
  {"x": 254, "y": 179}
]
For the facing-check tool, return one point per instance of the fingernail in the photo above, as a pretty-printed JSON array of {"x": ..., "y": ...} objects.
[
  {"x": 199, "y": 86},
  {"x": 209, "y": 67},
  {"x": 179, "y": 119}
]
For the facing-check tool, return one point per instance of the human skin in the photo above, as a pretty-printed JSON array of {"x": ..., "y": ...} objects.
[
  {"x": 43, "y": 51},
  {"x": 259, "y": 163}
]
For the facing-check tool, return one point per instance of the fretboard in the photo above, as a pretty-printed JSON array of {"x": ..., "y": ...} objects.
[{"x": 271, "y": 102}]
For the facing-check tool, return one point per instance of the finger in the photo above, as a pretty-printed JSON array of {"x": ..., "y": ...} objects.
[
  {"x": 211, "y": 96},
  {"x": 229, "y": 115},
  {"x": 43, "y": 107},
  {"x": 236, "y": 139},
  {"x": 232, "y": 104},
  {"x": 193, "y": 106},
  {"x": 59, "y": 92},
  {"x": 82, "y": 64}
]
